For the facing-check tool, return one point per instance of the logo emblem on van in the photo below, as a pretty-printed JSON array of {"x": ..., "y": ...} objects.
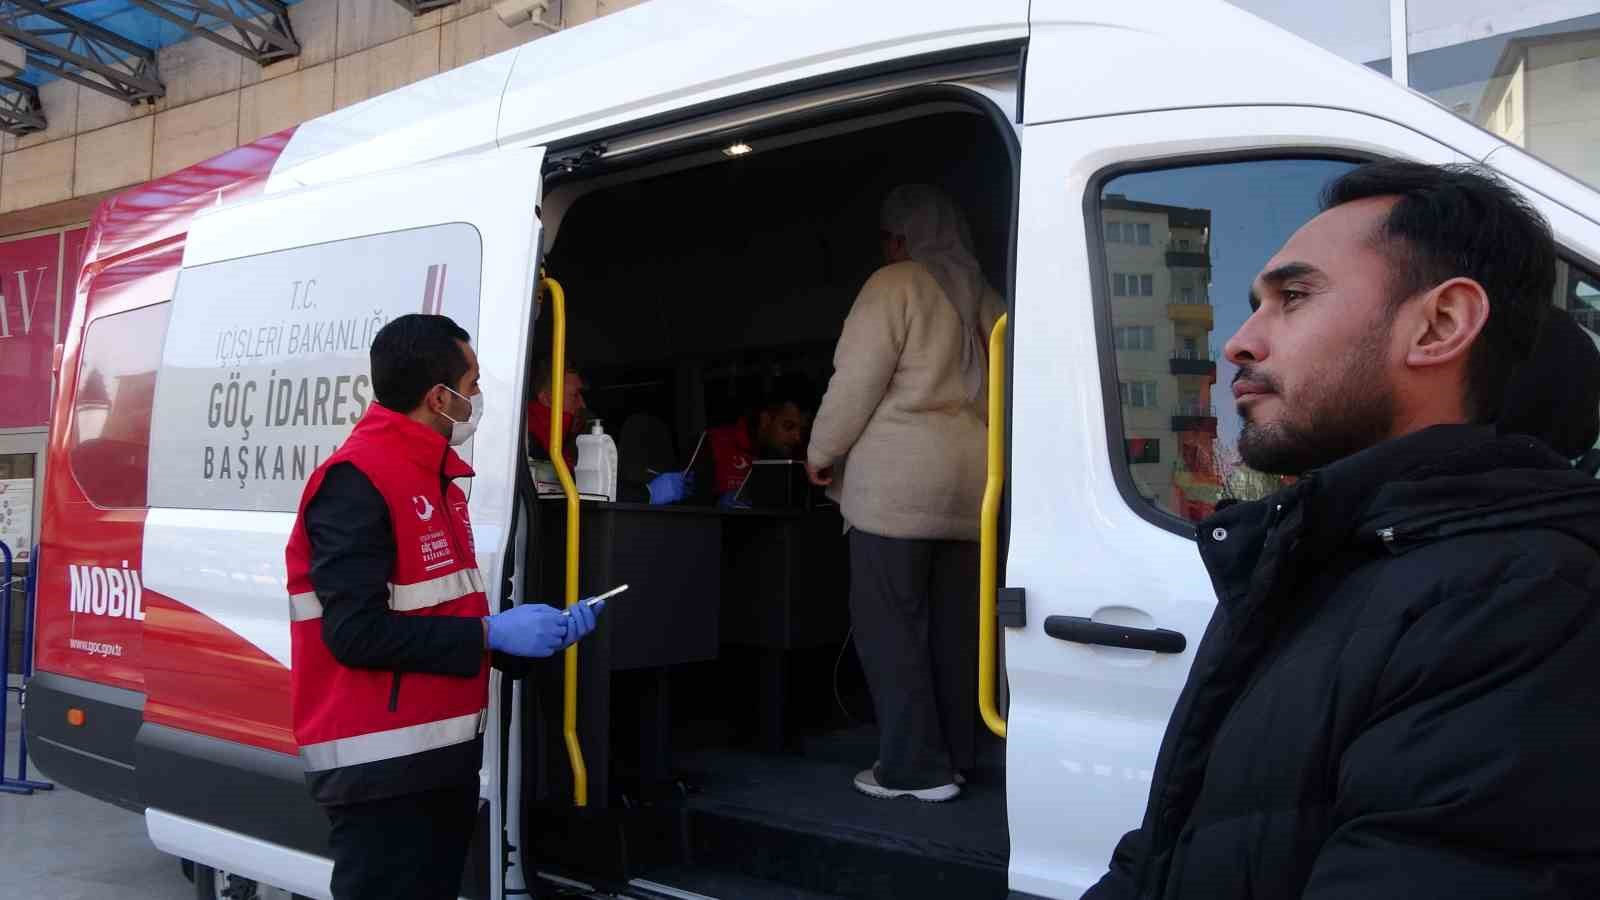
[
  {"x": 423, "y": 507},
  {"x": 433, "y": 290}
]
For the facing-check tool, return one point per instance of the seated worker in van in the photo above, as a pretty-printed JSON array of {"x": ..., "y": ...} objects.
[
  {"x": 573, "y": 408},
  {"x": 660, "y": 490},
  {"x": 775, "y": 429}
]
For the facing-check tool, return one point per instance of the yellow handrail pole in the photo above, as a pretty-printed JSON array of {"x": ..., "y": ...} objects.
[
  {"x": 989, "y": 546},
  {"x": 558, "y": 379}
]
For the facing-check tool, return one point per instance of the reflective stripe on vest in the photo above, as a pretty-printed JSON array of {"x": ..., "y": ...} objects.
[
  {"x": 371, "y": 747},
  {"x": 304, "y": 606},
  {"x": 434, "y": 591},
  {"x": 402, "y": 597}
]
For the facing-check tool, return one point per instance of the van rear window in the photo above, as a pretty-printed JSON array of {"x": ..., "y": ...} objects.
[{"x": 109, "y": 446}]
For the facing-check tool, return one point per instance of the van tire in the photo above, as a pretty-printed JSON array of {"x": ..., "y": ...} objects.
[{"x": 206, "y": 886}]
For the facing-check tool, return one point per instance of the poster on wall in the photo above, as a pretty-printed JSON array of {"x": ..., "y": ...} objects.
[
  {"x": 29, "y": 286},
  {"x": 16, "y": 516}
]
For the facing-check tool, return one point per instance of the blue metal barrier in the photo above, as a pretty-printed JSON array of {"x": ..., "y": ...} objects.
[{"x": 20, "y": 784}]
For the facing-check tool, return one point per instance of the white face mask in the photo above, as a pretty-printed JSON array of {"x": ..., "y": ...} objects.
[{"x": 461, "y": 432}]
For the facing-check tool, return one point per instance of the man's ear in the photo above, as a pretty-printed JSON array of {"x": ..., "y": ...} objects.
[
  {"x": 431, "y": 401},
  {"x": 1449, "y": 320}
]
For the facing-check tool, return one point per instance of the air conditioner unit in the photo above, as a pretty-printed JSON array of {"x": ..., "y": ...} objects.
[
  {"x": 514, "y": 12},
  {"x": 13, "y": 59}
]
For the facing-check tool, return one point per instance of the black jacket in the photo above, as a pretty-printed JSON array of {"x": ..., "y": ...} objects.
[{"x": 1398, "y": 695}]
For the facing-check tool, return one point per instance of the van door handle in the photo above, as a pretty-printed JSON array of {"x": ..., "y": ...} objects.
[{"x": 1080, "y": 630}]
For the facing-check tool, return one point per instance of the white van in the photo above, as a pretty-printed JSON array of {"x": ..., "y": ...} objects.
[{"x": 702, "y": 180}]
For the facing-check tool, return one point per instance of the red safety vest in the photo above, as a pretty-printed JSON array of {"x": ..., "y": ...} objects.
[
  {"x": 733, "y": 452},
  {"x": 363, "y": 733},
  {"x": 539, "y": 430}
]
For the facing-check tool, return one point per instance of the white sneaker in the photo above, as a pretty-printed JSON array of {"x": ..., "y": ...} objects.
[{"x": 867, "y": 783}]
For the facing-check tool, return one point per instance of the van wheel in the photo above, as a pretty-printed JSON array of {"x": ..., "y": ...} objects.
[{"x": 212, "y": 884}]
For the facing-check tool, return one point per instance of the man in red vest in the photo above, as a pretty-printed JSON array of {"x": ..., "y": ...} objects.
[
  {"x": 774, "y": 429},
  {"x": 573, "y": 408},
  {"x": 391, "y": 637}
]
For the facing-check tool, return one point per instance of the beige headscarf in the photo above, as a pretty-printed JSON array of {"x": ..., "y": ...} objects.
[{"x": 938, "y": 237}]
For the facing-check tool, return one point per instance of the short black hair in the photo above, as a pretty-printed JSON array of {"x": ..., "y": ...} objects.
[
  {"x": 544, "y": 373},
  {"x": 412, "y": 354},
  {"x": 784, "y": 390},
  {"x": 1462, "y": 221}
]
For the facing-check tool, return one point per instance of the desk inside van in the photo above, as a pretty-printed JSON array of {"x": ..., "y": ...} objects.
[
  {"x": 671, "y": 559},
  {"x": 698, "y": 578}
]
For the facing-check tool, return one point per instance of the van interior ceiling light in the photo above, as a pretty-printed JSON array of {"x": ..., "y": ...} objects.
[
  {"x": 734, "y": 151},
  {"x": 13, "y": 59},
  {"x": 514, "y": 12}
]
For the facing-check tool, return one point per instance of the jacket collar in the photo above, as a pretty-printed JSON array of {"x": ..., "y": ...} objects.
[
  {"x": 411, "y": 441},
  {"x": 1436, "y": 471}
]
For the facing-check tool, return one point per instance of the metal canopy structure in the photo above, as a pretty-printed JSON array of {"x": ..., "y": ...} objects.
[
  {"x": 261, "y": 27},
  {"x": 423, "y": 7},
  {"x": 110, "y": 45}
]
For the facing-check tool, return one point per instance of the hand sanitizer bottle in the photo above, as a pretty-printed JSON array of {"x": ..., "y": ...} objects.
[{"x": 596, "y": 475}]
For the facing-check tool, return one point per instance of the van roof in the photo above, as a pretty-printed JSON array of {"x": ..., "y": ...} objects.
[
  {"x": 664, "y": 57},
  {"x": 660, "y": 56}
]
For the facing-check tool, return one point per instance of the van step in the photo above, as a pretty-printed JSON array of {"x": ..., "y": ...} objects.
[
  {"x": 700, "y": 883},
  {"x": 833, "y": 858}
]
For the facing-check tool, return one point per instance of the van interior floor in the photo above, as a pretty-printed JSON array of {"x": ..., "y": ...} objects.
[{"x": 796, "y": 818}]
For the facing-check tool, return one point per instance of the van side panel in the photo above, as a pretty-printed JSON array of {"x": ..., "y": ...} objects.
[{"x": 93, "y": 642}]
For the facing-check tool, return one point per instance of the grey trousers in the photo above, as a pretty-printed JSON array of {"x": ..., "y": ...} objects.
[{"x": 914, "y": 607}]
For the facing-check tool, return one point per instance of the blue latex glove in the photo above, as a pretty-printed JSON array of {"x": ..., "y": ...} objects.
[
  {"x": 581, "y": 621},
  {"x": 670, "y": 487},
  {"x": 532, "y": 629},
  {"x": 731, "y": 500}
]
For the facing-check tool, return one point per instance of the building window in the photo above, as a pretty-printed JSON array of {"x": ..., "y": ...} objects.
[
  {"x": 1143, "y": 450},
  {"x": 1188, "y": 295},
  {"x": 1147, "y": 285},
  {"x": 1144, "y": 235},
  {"x": 1135, "y": 337},
  {"x": 1183, "y": 243},
  {"x": 1119, "y": 285},
  {"x": 109, "y": 445},
  {"x": 1114, "y": 232},
  {"x": 1138, "y": 393}
]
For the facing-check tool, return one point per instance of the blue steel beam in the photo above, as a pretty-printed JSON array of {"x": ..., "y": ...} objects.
[{"x": 83, "y": 52}]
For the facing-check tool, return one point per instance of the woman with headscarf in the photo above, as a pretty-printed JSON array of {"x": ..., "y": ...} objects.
[{"x": 899, "y": 442}]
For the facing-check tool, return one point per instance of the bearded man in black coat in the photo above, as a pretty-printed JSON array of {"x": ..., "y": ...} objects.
[{"x": 1399, "y": 693}]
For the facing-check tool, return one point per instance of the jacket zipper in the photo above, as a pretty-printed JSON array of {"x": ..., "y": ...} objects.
[
  {"x": 1391, "y": 541},
  {"x": 394, "y": 693}
]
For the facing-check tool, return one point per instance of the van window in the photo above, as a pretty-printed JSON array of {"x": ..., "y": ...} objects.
[
  {"x": 1578, "y": 292},
  {"x": 1214, "y": 226},
  {"x": 109, "y": 443},
  {"x": 1233, "y": 216}
]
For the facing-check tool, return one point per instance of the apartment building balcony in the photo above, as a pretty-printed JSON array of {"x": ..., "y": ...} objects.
[
  {"x": 1191, "y": 257},
  {"x": 1193, "y": 362},
  {"x": 1194, "y": 416},
  {"x": 1194, "y": 308}
]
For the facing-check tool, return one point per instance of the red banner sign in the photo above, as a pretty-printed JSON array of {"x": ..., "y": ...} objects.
[{"x": 31, "y": 316}]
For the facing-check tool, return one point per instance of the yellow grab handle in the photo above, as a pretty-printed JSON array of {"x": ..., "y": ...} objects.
[
  {"x": 989, "y": 547},
  {"x": 558, "y": 378}
]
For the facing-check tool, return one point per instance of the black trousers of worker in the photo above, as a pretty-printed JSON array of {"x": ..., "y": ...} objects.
[
  {"x": 914, "y": 607},
  {"x": 412, "y": 847}
]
